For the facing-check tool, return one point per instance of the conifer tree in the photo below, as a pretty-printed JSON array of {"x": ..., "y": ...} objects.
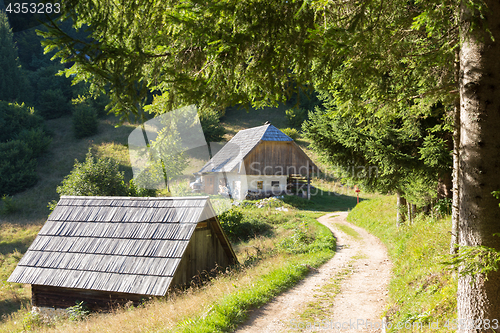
[{"x": 11, "y": 76}]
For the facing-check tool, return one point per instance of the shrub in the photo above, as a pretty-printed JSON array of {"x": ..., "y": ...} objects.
[
  {"x": 15, "y": 118},
  {"x": 36, "y": 139},
  {"x": 291, "y": 132},
  {"x": 52, "y": 103},
  {"x": 17, "y": 167},
  {"x": 135, "y": 191},
  {"x": 78, "y": 311},
  {"x": 99, "y": 104},
  {"x": 298, "y": 242},
  {"x": 296, "y": 117},
  {"x": 85, "y": 121},
  {"x": 211, "y": 126},
  {"x": 32, "y": 320},
  {"x": 94, "y": 177},
  {"x": 8, "y": 205},
  {"x": 237, "y": 227}
]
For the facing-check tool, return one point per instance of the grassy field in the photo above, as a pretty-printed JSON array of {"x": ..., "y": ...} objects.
[{"x": 237, "y": 119}]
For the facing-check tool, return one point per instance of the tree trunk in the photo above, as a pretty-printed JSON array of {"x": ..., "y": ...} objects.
[
  {"x": 478, "y": 298},
  {"x": 401, "y": 203},
  {"x": 409, "y": 215},
  {"x": 445, "y": 185},
  {"x": 456, "y": 193}
]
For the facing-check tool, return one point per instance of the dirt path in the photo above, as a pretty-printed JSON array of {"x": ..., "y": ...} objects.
[{"x": 346, "y": 294}]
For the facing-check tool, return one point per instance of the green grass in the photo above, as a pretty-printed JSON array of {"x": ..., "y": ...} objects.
[
  {"x": 320, "y": 309},
  {"x": 59, "y": 161},
  {"x": 421, "y": 290},
  {"x": 348, "y": 231},
  {"x": 14, "y": 241},
  {"x": 324, "y": 201},
  {"x": 237, "y": 119}
]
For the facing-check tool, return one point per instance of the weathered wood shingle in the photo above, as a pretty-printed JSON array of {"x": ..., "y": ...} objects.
[{"x": 115, "y": 244}]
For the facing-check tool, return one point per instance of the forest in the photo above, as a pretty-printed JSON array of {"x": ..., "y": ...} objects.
[{"x": 406, "y": 88}]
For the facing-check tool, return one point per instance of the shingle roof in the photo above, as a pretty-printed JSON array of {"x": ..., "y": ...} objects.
[
  {"x": 117, "y": 244},
  {"x": 233, "y": 153}
]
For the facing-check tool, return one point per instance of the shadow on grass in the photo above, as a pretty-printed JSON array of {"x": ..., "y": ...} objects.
[
  {"x": 6, "y": 248},
  {"x": 12, "y": 305},
  {"x": 324, "y": 201}
]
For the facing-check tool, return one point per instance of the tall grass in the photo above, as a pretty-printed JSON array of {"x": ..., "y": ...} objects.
[{"x": 422, "y": 290}]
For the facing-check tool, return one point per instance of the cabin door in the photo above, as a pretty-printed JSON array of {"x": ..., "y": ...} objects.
[{"x": 209, "y": 184}]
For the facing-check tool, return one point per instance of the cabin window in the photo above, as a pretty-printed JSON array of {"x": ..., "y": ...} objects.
[
  {"x": 260, "y": 185},
  {"x": 275, "y": 183}
]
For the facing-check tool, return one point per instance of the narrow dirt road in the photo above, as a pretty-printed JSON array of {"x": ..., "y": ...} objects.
[{"x": 346, "y": 294}]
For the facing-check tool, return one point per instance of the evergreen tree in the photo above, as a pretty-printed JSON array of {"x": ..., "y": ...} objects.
[{"x": 11, "y": 76}]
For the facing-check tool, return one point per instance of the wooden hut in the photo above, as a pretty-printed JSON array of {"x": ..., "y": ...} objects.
[
  {"x": 260, "y": 160},
  {"x": 104, "y": 250}
]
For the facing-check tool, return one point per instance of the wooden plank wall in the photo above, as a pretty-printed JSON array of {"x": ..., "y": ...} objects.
[
  {"x": 203, "y": 252},
  {"x": 57, "y": 297},
  {"x": 277, "y": 158}
]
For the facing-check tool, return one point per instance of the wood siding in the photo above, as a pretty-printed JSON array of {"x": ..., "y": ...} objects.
[
  {"x": 56, "y": 297},
  {"x": 203, "y": 253},
  {"x": 277, "y": 158}
]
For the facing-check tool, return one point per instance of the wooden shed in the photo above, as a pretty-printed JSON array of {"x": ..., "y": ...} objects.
[
  {"x": 104, "y": 250},
  {"x": 259, "y": 159}
]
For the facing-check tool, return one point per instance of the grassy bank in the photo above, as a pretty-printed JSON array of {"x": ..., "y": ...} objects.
[{"x": 422, "y": 291}]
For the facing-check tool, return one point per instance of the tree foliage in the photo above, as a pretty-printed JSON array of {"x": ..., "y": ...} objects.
[
  {"x": 17, "y": 167},
  {"x": 94, "y": 177},
  {"x": 85, "y": 121},
  {"x": 11, "y": 76},
  {"x": 386, "y": 154},
  {"x": 22, "y": 140}
]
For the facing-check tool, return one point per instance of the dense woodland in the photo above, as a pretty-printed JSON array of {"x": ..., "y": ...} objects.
[{"x": 403, "y": 88}]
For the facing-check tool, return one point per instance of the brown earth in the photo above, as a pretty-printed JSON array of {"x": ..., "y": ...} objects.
[{"x": 346, "y": 294}]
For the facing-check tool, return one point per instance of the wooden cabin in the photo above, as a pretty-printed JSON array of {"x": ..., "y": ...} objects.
[
  {"x": 260, "y": 160},
  {"x": 108, "y": 250}
]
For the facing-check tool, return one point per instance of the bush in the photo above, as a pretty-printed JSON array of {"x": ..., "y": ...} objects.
[
  {"x": 36, "y": 139},
  {"x": 291, "y": 132},
  {"x": 94, "y": 177},
  {"x": 52, "y": 103},
  {"x": 15, "y": 118},
  {"x": 78, "y": 311},
  {"x": 296, "y": 117},
  {"x": 135, "y": 191},
  {"x": 85, "y": 121},
  {"x": 17, "y": 167},
  {"x": 99, "y": 104},
  {"x": 237, "y": 227},
  {"x": 8, "y": 205}
]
